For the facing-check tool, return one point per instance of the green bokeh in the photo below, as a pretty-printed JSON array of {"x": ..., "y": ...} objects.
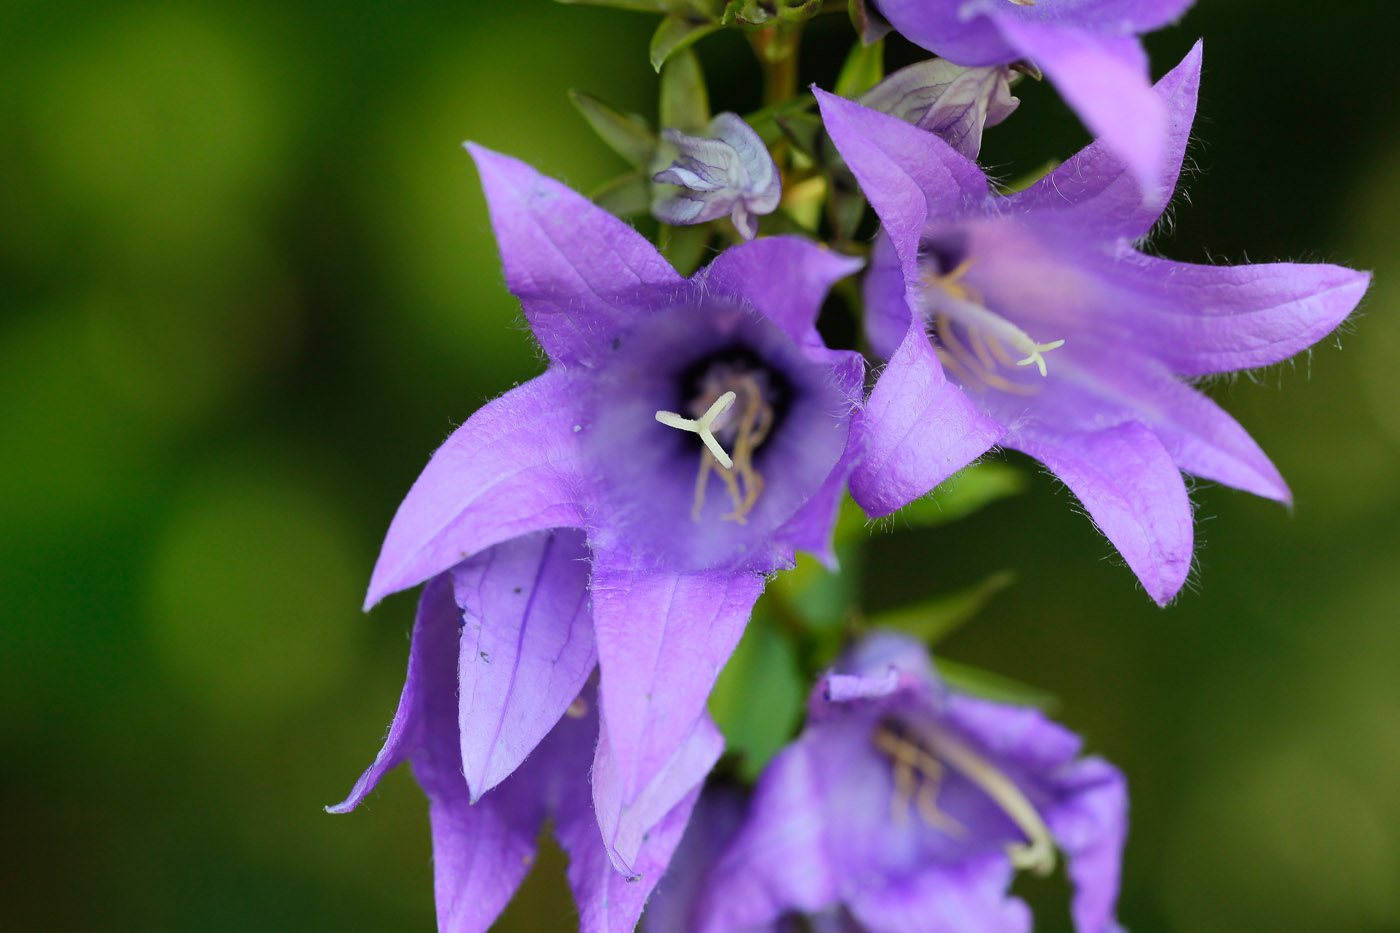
[{"x": 248, "y": 284}]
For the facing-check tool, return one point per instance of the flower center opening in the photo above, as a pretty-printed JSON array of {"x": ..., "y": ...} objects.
[
  {"x": 972, "y": 341},
  {"x": 733, "y": 404},
  {"x": 921, "y": 756}
]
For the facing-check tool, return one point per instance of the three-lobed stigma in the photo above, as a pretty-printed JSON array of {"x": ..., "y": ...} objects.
[
  {"x": 704, "y": 425},
  {"x": 733, "y": 404}
]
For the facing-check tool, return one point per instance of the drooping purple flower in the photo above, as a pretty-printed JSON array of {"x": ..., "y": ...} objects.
[
  {"x": 484, "y": 844},
  {"x": 949, "y": 100},
  {"x": 1053, "y": 335},
  {"x": 681, "y": 526},
  {"x": 728, "y": 171},
  {"x": 1088, "y": 48},
  {"x": 903, "y": 806}
]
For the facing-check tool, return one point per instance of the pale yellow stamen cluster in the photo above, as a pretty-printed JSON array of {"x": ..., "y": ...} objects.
[
  {"x": 975, "y": 361},
  {"x": 748, "y": 423},
  {"x": 921, "y": 755},
  {"x": 917, "y": 777}
]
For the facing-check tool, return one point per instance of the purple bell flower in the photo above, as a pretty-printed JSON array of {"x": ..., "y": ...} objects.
[
  {"x": 694, "y": 430},
  {"x": 1088, "y": 48},
  {"x": 484, "y": 845},
  {"x": 903, "y": 806},
  {"x": 1053, "y": 335}
]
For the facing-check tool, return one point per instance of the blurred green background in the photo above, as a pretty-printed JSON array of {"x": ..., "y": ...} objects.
[{"x": 248, "y": 285}]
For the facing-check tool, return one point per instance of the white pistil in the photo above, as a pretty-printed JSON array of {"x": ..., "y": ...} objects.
[
  {"x": 702, "y": 426},
  {"x": 977, "y": 318}
]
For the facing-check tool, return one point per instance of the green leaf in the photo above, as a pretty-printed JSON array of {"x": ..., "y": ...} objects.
[
  {"x": 969, "y": 490},
  {"x": 709, "y": 8},
  {"x": 675, "y": 33},
  {"x": 1022, "y": 182},
  {"x": 765, "y": 121},
  {"x": 757, "y": 701},
  {"x": 935, "y": 618},
  {"x": 802, "y": 130},
  {"x": 984, "y": 684},
  {"x": 864, "y": 67},
  {"x": 685, "y": 103},
  {"x": 685, "y": 246},
  {"x": 625, "y": 196},
  {"x": 816, "y": 596},
  {"x": 627, "y": 135},
  {"x": 847, "y": 210},
  {"x": 797, "y": 11},
  {"x": 755, "y": 13}
]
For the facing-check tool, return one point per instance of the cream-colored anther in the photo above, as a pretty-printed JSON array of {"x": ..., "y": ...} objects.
[{"x": 703, "y": 425}]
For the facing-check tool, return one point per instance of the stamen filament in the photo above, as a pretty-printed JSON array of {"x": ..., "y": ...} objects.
[
  {"x": 702, "y": 426},
  {"x": 1038, "y": 852},
  {"x": 977, "y": 319}
]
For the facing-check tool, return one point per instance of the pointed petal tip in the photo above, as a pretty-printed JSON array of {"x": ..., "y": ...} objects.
[
  {"x": 1165, "y": 589},
  {"x": 379, "y": 587}
]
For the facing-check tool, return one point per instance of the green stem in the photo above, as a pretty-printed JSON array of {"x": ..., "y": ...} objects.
[{"x": 776, "y": 47}]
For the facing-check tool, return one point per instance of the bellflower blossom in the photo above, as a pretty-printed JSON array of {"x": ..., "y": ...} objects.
[
  {"x": 1088, "y": 48},
  {"x": 1070, "y": 344},
  {"x": 483, "y": 848},
  {"x": 904, "y": 806},
  {"x": 728, "y": 171},
  {"x": 695, "y": 430}
]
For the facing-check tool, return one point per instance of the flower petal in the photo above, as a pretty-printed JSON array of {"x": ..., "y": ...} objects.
[
  {"x": 1132, "y": 489},
  {"x": 428, "y": 703},
  {"x": 1084, "y": 802},
  {"x": 1090, "y": 824},
  {"x": 917, "y": 429},
  {"x": 608, "y": 901},
  {"x": 582, "y": 276},
  {"x": 511, "y": 469},
  {"x": 481, "y": 853},
  {"x": 970, "y": 896},
  {"x": 948, "y": 100},
  {"x": 887, "y": 313},
  {"x": 1016, "y": 736},
  {"x": 944, "y": 28},
  {"x": 526, "y": 650},
  {"x": 1104, "y": 78},
  {"x": 662, "y": 639},
  {"x": 1096, "y": 190},
  {"x": 780, "y": 861},
  {"x": 813, "y": 527},
  {"x": 628, "y": 822},
  {"x": 907, "y": 174},
  {"x": 717, "y": 818},
  {"x": 785, "y": 277},
  {"x": 727, "y": 171},
  {"x": 1204, "y": 319},
  {"x": 482, "y": 850},
  {"x": 1200, "y": 436}
]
